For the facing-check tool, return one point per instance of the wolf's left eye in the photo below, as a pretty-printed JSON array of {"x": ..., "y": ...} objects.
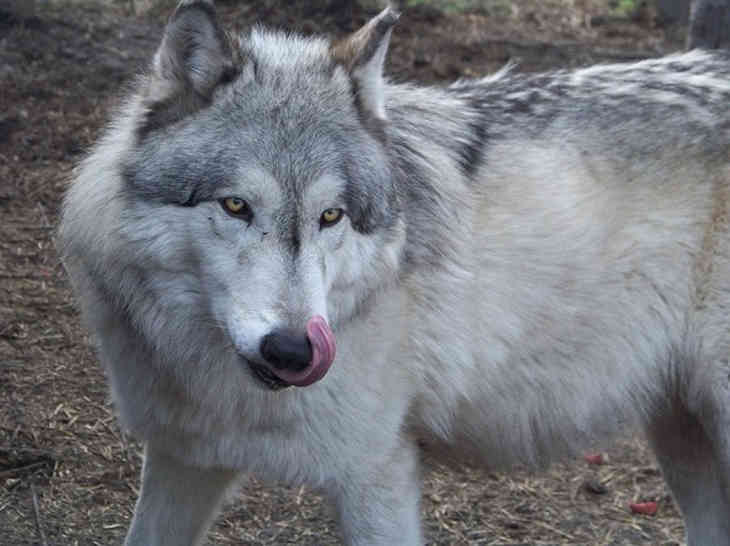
[
  {"x": 235, "y": 206},
  {"x": 330, "y": 217}
]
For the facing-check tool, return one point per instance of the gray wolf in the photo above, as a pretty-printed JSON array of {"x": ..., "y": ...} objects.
[{"x": 295, "y": 268}]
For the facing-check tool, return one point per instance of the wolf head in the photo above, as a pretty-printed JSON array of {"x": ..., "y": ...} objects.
[{"x": 255, "y": 187}]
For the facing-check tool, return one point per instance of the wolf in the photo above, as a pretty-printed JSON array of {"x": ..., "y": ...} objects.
[{"x": 297, "y": 269}]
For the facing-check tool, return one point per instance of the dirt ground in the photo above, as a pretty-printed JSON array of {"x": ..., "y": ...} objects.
[{"x": 67, "y": 473}]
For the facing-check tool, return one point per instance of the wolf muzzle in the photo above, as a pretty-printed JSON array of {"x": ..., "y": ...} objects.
[{"x": 300, "y": 360}]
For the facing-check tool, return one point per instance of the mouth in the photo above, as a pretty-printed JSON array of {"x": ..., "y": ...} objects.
[
  {"x": 322, "y": 344},
  {"x": 265, "y": 376}
]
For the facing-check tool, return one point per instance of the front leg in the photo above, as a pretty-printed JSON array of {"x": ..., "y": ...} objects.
[
  {"x": 378, "y": 505},
  {"x": 177, "y": 503}
]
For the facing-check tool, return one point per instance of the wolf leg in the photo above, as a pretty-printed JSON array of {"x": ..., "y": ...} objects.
[
  {"x": 177, "y": 503},
  {"x": 380, "y": 506},
  {"x": 713, "y": 409},
  {"x": 695, "y": 468}
]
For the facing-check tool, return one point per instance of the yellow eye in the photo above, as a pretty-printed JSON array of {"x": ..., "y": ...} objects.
[
  {"x": 236, "y": 206},
  {"x": 330, "y": 217}
]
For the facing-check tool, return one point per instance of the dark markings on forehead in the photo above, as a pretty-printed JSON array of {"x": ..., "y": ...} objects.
[
  {"x": 176, "y": 172},
  {"x": 169, "y": 111},
  {"x": 287, "y": 217},
  {"x": 293, "y": 235},
  {"x": 179, "y": 106}
]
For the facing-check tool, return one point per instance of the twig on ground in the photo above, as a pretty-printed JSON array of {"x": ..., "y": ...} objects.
[
  {"x": 32, "y": 451},
  {"x": 18, "y": 469},
  {"x": 37, "y": 514}
]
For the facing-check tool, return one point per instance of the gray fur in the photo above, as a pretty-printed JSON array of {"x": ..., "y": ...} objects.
[{"x": 528, "y": 264}]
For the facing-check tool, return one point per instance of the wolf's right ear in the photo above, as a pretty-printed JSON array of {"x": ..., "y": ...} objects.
[
  {"x": 195, "y": 56},
  {"x": 362, "y": 54}
]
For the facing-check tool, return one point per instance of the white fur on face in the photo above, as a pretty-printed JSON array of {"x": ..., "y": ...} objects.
[{"x": 260, "y": 282}]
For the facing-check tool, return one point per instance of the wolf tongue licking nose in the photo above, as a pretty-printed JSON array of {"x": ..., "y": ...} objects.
[{"x": 322, "y": 342}]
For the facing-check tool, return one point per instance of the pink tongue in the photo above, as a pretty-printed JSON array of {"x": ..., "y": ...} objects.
[{"x": 322, "y": 340}]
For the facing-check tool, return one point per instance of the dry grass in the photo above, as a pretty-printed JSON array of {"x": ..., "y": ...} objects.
[{"x": 67, "y": 474}]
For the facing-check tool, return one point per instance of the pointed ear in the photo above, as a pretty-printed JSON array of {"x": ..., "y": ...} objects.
[
  {"x": 362, "y": 54},
  {"x": 195, "y": 56}
]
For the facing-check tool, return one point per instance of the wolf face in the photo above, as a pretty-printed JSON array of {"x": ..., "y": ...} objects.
[{"x": 264, "y": 156}]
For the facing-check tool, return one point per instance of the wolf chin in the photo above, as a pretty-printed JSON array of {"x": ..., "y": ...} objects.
[{"x": 295, "y": 268}]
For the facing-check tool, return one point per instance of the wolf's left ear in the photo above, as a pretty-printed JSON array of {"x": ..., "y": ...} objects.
[
  {"x": 195, "y": 56},
  {"x": 363, "y": 55}
]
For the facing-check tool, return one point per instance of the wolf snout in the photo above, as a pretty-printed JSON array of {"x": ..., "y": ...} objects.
[
  {"x": 296, "y": 358},
  {"x": 287, "y": 350}
]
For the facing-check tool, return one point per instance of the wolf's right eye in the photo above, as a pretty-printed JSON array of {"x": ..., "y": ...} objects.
[{"x": 235, "y": 206}]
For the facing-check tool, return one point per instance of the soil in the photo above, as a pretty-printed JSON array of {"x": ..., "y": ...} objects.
[{"x": 68, "y": 475}]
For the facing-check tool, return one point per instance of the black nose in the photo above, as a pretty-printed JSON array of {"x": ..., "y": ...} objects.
[{"x": 286, "y": 350}]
